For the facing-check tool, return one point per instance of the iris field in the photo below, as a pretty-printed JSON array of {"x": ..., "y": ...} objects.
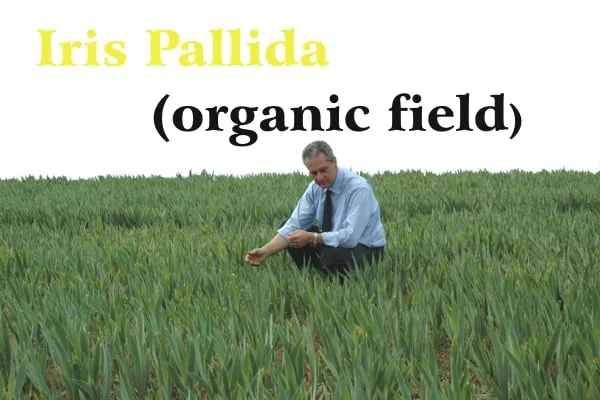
[{"x": 131, "y": 287}]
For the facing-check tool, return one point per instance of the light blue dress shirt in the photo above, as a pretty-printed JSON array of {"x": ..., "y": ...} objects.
[{"x": 356, "y": 213}]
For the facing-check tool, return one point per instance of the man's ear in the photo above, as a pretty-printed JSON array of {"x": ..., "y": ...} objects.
[{"x": 334, "y": 161}]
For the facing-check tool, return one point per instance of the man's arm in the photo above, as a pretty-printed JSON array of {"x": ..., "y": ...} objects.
[
  {"x": 302, "y": 216},
  {"x": 258, "y": 255},
  {"x": 276, "y": 244}
]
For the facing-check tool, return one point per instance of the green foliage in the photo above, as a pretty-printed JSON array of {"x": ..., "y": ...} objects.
[{"x": 137, "y": 287}]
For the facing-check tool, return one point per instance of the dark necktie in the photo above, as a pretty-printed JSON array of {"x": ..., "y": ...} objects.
[{"x": 327, "y": 212}]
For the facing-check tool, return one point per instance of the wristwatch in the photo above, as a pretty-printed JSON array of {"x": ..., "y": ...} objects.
[{"x": 314, "y": 243}]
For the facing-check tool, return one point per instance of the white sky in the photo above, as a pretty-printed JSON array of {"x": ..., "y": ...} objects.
[{"x": 89, "y": 121}]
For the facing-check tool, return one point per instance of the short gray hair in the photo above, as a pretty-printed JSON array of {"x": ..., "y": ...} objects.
[{"x": 315, "y": 148}]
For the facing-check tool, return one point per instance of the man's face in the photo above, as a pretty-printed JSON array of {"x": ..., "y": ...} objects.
[{"x": 323, "y": 172}]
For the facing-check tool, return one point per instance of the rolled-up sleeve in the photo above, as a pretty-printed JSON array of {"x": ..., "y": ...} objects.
[
  {"x": 360, "y": 204},
  {"x": 303, "y": 215}
]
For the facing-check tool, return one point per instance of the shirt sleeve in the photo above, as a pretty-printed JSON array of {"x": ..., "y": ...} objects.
[
  {"x": 359, "y": 209},
  {"x": 303, "y": 215}
]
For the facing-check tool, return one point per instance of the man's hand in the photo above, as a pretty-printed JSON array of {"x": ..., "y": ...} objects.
[
  {"x": 256, "y": 257},
  {"x": 300, "y": 238}
]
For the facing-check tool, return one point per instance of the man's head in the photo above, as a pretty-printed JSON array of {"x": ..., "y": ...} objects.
[{"x": 321, "y": 163}]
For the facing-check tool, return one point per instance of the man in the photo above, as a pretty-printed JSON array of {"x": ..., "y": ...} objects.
[{"x": 336, "y": 223}]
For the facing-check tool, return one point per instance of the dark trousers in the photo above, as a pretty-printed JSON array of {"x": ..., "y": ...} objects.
[{"x": 329, "y": 259}]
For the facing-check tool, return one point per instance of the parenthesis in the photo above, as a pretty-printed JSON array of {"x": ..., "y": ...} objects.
[
  {"x": 158, "y": 121},
  {"x": 517, "y": 120}
]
